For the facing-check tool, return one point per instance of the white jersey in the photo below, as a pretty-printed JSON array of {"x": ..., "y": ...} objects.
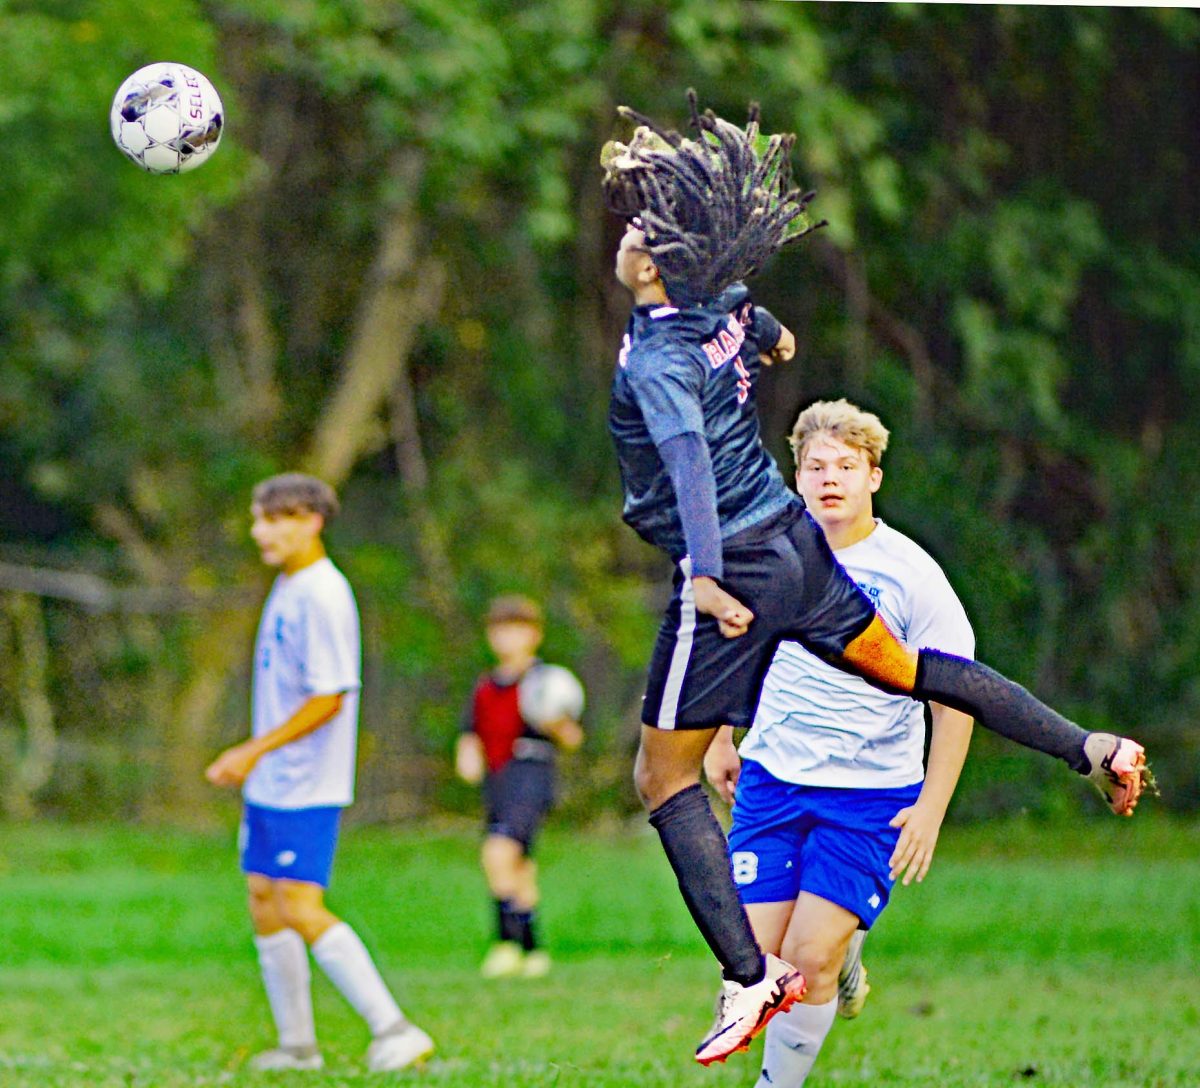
[
  {"x": 818, "y": 726},
  {"x": 307, "y": 644}
]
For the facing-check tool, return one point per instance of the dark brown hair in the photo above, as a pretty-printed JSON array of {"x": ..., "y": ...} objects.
[{"x": 295, "y": 493}]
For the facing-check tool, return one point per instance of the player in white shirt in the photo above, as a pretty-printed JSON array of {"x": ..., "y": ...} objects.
[
  {"x": 832, "y": 799},
  {"x": 297, "y": 774}
]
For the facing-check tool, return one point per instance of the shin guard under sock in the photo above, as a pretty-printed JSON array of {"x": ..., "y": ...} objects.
[
  {"x": 1000, "y": 705},
  {"x": 696, "y": 848}
]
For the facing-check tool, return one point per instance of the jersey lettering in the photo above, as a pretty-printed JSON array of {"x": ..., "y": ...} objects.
[{"x": 724, "y": 346}]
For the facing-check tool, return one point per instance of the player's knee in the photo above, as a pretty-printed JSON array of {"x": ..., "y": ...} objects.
[
  {"x": 501, "y": 859},
  {"x": 264, "y": 912},
  {"x": 819, "y": 961}
]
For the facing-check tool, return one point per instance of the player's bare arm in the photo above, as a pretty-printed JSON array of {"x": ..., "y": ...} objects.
[
  {"x": 233, "y": 765},
  {"x": 920, "y": 823},
  {"x": 722, "y": 764}
]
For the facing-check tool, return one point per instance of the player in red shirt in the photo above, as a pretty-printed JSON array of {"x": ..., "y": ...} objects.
[{"x": 520, "y": 714}]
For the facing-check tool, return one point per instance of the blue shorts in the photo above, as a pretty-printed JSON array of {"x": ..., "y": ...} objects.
[
  {"x": 289, "y": 844},
  {"x": 827, "y": 841}
]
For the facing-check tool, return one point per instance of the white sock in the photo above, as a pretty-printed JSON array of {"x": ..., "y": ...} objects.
[
  {"x": 283, "y": 960},
  {"x": 793, "y": 1041},
  {"x": 345, "y": 959}
]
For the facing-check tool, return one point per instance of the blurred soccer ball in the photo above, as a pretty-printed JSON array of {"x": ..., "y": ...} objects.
[
  {"x": 167, "y": 118},
  {"x": 548, "y": 693}
]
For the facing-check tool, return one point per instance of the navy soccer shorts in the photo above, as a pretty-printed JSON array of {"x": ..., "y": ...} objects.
[
  {"x": 835, "y": 843},
  {"x": 518, "y": 797},
  {"x": 289, "y": 844},
  {"x": 786, "y": 574}
]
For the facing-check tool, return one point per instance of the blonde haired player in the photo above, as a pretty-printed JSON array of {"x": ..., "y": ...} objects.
[
  {"x": 297, "y": 774},
  {"x": 830, "y": 804}
]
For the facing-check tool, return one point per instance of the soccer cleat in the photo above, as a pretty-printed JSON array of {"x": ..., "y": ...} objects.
[
  {"x": 743, "y": 1011},
  {"x": 287, "y": 1058},
  {"x": 852, "y": 979},
  {"x": 401, "y": 1047},
  {"x": 505, "y": 959},
  {"x": 1118, "y": 770},
  {"x": 536, "y": 964}
]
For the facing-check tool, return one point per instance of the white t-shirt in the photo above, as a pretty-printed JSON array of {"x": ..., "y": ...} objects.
[
  {"x": 819, "y": 726},
  {"x": 307, "y": 644}
]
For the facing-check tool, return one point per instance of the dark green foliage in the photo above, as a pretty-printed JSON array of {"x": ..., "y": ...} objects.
[{"x": 1009, "y": 277}]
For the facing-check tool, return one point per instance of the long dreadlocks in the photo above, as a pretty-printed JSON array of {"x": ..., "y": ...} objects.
[{"x": 715, "y": 208}]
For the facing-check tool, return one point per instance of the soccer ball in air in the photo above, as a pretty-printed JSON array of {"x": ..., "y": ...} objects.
[
  {"x": 167, "y": 118},
  {"x": 547, "y": 693}
]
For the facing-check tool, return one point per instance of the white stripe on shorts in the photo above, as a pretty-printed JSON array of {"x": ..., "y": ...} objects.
[{"x": 684, "y": 637}]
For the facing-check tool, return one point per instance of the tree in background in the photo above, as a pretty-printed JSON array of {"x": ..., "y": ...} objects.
[{"x": 397, "y": 273}]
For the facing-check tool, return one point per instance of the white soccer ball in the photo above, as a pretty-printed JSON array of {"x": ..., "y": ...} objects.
[
  {"x": 547, "y": 693},
  {"x": 167, "y": 118}
]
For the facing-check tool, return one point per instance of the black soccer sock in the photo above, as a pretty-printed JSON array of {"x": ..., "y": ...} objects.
[
  {"x": 526, "y": 936},
  {"x": 508, "y": 926},
  {"x": 1000, "y": 705},
  {"x": 696, "y": 848}
]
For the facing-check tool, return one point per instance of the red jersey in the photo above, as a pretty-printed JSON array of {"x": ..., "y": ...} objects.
[{"x": 496, "y": 719}]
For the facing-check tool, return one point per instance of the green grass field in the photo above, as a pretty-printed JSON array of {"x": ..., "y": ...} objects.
[{"x": 1023, "y": 959}]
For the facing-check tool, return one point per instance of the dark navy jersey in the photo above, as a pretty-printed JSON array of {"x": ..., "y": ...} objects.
[{"x": 694, "y": 371}]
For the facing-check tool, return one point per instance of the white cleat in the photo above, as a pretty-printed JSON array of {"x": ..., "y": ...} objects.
[
  {"x": 536, "y": 964},
  {"x": 852, "y": 979},
  {"x": 403, "y": 1047},
  {"x": 1118, "y": 771},
  {"x": 743, "y": 1011},
  {"x": 287, "y": 1058},
  {"x": 505, "y": 959}
]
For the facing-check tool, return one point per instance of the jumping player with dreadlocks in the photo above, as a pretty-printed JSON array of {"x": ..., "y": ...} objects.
[{"x": 752, "y": 566}]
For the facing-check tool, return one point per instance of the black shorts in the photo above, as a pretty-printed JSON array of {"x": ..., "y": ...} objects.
[
  {"x": 786, "y": 574},
  {"x": 518, "y": 797}
]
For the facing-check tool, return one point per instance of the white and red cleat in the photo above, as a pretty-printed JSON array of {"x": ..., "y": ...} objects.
[
  {"x": 1118, "y": 771},
  {"x": 743, "y": 1011}
]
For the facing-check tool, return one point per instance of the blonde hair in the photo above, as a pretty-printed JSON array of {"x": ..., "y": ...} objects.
[{"x": 841, "y": 420}]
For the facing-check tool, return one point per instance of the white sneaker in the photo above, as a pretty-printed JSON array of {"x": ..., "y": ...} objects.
[
  {"x": 852, "y": 979},
  {"x": 505, "y": 959},
  {"x": 404, "y": 1046},
  {"x": 536, "y": 964},
  {"x": 288, "y": 1057},
  {"x": 743, "y": 1011}
]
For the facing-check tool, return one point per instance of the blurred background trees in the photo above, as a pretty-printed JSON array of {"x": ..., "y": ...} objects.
[{"x": 397, "y": 273}]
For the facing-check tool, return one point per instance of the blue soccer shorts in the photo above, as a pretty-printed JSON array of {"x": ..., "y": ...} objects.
[
  {"x": 830, "y": 842},
  {"x": 289, "y": 844}
]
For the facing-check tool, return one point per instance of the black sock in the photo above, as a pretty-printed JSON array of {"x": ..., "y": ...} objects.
[
  {"x": 508, "y": 926},
  {"x": 696, "y": 848},
  {"x": 999, "y": 705},
  {"x": 526, "y": 935}
]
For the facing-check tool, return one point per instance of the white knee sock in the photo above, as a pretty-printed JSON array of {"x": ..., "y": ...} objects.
[
  {"x": 345, "y": 959},
  {"x": 283, "y": 960},
  {"x": 793, "y": 1041}
]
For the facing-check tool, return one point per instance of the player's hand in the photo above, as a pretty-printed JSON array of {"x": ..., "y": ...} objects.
[
  {"x": 733, "y": 618},
  {"x": 722, "y": 764},
  {"x": 784, "y": 349},
  {"x": 919, "y": 827},
  {"x": 468, "y": 760},
  {"x": 567, "y": 733},
  {"x": 233, "y": 765}
]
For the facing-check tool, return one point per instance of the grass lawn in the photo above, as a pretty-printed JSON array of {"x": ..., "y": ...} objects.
[{"x": 1031, "y": 955}]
